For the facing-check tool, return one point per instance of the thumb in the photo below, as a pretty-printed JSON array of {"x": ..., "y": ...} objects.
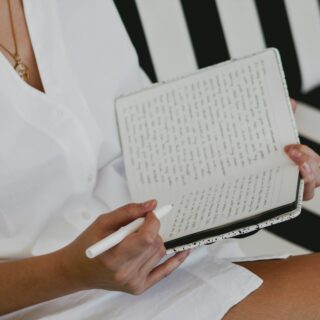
[{"x": 124, "y": 215}]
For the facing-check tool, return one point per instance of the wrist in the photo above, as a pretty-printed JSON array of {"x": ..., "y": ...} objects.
[{"x": 68, "y": 270}]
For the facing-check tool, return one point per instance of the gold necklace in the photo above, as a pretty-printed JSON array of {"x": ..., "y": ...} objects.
[{"x": 20, "y": 67}]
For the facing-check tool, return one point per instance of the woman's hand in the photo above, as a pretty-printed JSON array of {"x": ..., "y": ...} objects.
[
  {"x": 132, "y": 265},
  {"x": 308, "y": 162},
  {"x": 309, "y": 165}
]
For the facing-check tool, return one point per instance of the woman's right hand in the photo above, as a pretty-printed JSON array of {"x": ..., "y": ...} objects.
[{"x": 132, "y": 265}]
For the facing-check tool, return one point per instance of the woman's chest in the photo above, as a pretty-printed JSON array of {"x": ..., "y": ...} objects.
[
  {"x": 15, "y": 42},
  {"x": 57, "y": 148}
]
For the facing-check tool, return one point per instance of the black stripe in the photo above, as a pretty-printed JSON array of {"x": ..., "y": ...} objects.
[
  {"x": 312, "y": 98},
  {"x": 312, "y": 144},
  {"x": 205, "y": 31},
  {"x": 277, "y": 33},
  {"x": 303, "y": 230},
  {"x": 131, "y": 19}
]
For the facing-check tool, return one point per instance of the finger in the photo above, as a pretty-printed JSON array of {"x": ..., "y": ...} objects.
[
  {"x": 301, "y": 154},
  {"x": 298, "y": 157},
  {"x": 166, "y": 268},
  {"x": 309, "y": 180},
  {"x": 140, "y": 245},
  {"x": 315, "y": 167},
  {"x": 150, "y": 229},
  {"x": 134, "y": 263},
  {"x": 301, "y": 148},
  {"x": 124, "y": 215},
  {"x": 130, "y": 254},
  {"x": 153, "y": 260},
  {"x": 293, "y": 104}
]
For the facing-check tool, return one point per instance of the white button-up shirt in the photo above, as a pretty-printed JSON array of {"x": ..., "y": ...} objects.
[
  {"x": 60, "y": 152},
  {"x": 61, "y": 165}
]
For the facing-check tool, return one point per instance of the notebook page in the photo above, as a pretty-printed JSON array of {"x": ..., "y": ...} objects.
[
  {"x": 232, "y": 199},
  {"x": 212, "y": 124}
]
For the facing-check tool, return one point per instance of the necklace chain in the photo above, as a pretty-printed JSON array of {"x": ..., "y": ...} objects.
[{"x": 20, "y": 67}]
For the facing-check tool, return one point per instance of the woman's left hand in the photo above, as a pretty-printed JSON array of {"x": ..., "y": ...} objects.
[{"x": 309, "y": 165}]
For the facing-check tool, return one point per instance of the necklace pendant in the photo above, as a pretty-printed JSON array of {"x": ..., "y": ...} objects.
[{"x": 22, "y": 70}]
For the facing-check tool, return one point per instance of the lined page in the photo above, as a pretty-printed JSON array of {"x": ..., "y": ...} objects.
[
  {"x": 213, "y": 124},
  {"x": 229, "y": 200}
]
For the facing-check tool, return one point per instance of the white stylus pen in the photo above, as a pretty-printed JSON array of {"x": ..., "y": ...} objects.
[{"x": 116, "y": 237}]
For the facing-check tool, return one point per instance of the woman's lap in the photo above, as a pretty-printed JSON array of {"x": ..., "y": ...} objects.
[{"x": 291, "y": 290}]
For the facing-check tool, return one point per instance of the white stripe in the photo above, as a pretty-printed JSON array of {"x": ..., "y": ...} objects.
[
  {"x": 308, "y": 121},
  {"x": 241, "y": 27},
  {"x": 168, "y": 37},
  {"x": 304, "y": 18}
]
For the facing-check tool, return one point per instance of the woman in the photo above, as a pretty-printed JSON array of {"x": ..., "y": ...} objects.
[{"x": 61, "y": 167}]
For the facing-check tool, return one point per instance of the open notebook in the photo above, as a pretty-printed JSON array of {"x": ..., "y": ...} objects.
[{"x": 211, "y": 143}]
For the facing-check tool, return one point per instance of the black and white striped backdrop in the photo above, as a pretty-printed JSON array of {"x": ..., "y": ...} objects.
[{"x": 173, "y": 37}]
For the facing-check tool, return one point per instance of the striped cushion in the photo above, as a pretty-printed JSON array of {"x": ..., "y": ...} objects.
[{"x": 173, "y": 37}]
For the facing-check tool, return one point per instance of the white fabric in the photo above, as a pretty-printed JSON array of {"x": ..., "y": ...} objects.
[
  {"x": 204, "y": 288},
  {"x": 304, "y": 21},
  {"x": 60, "y": 165}
]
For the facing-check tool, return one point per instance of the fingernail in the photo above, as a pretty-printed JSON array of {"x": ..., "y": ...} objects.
[
  {"x": 295, "y": 154},
  {"x": 306, "y": 168},
  {"x": 148, "y": 204}
]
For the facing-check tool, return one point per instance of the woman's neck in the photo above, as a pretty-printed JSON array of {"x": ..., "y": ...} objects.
[{"x": 20, "y": 32}]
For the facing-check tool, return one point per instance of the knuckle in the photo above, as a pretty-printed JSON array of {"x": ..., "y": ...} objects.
[
  {"x": 162, "y": 252},
  {"x": 156, "y": 224},
  {"x": 158, "y": 242},
  {"x": 108, "y": 265},
  {"x": 308, "y": 158},
  {"x": 147, "y": 238},
  {"x": 302, "y": 147},
  {"x": 134, "y": 206},
  {"x": 135, "y": 288},
  {"x": 101, "y": 220},
  {"x": 137, "y": 292},
  {"x": 132, "y": 209},
  {"x": 121, "y": 278},
  {"x": 304, "y": 159},
  {"x": 153, "y": 221},
  {"x": 311, "y": 180},
  {"x": 128, "y": 208}
]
